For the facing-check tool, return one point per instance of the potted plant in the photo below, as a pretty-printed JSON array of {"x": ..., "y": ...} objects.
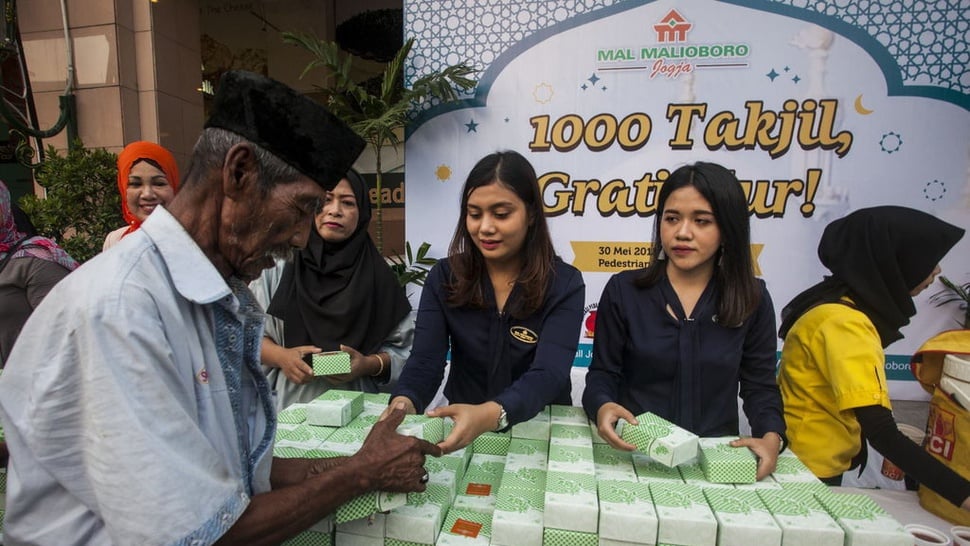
[
  {"x": 954, "y": 292},
  {"x": 379, "y": 113},
  {"x": 82, "y": 203}
]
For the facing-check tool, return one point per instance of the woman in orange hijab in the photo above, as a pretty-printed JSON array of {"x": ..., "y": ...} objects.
[{"x": 147, "y": 177}]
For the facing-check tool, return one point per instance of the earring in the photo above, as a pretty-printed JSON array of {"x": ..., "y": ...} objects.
[
  {"x": 720, "y": 257},
  {"x": 662, "y": 255}
]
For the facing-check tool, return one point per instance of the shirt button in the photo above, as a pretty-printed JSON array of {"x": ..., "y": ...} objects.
[
  {"x": 196, "y": 542},
  {"x": 225, "y": 517}
]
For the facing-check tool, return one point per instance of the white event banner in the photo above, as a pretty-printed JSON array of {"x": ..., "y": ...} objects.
[{"x": 818, "y": 110}]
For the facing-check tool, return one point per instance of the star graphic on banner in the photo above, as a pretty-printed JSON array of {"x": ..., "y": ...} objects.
[
  {"x": 787, "y": 69},
  {"x": 593, "y": 79},
  {"x": 603, "y": 88},
  {"x": 772, "y": 75},
  {"x": 543, "y": 93},
  {"x": 472, "y": 126},
  {"x": 796, "y": 79},
  {"x": 443, "y": 173},
  {"x": 583, "y": 87},
  {"x": 506, "y": 120}
]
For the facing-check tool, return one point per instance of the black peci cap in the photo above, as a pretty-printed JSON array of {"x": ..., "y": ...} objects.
[{"x": 298, "y": 130}]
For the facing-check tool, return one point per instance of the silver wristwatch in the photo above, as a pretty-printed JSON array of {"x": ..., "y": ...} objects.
[{"x": 503, "y": 420}]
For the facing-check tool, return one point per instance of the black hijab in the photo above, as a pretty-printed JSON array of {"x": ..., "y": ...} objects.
[
  {"x": 340, "y": 293},
  {"x": 877, "y": 256}
]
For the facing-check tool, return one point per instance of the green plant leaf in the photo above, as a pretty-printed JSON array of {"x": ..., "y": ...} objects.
[
  {"x": 82, "y": 204},
  {"x": 378, "y": 117},
  {"x": 954, "y": 292}
]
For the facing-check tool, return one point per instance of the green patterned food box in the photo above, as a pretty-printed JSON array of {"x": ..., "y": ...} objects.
[
  {"x": 462, "y": 457},
  {"x": 865, "y": 523},
  {"x": 381, "y": 399},
  {"x": 288, "y": 449},
  {"x": 477, "y": 502},
  {"x": 610, "y": 542},
  {"x": 569, "y": 415},
  {"x": 345, "y": 440},
  {"x": 316, "y": 433},
  {"x": 456, "y": 462},
  {"x": 484, "y": 463},
  {"x": 285, "y": 431},
  {"x": 364, "y": 420},
  {"x": 364, "y": 505},
  {"x": 725, "y": 464},
  {"x": 816, "y": 487},
  {"x": 492, "y": 443},
  {"x": 789, "y": 469},
  {"x": 627, "y": 512},
  {"x": 445, "y": 471},
  {"x": 527, "y": 454},
  {"x": 517, "y": 520},
  {"x": 683, "y": 515},
  {"x": 424, "y": 427},
  {"x": 570, "y": 458},
  {"x": 294, "y": 414},
  {"x": 310, "y": 538},
  {"x": 563, "y": 537},
  {"x": 803, "y": 521},
  {"x": 331, "y": 363},
  {"x": 463, "y": 528},
  {"x": 420, "y": 519},
  {"x": 742, "y": 518},
  {"x": 613, "y": 464},
  {"x": 536, "y": 428},
  {"x": 349, "y": 539},
  {"x": 524, "y": 478},
  {"x": 570, "y": 435},
  {"x": 692, "y": 473},
  {"x": 478, "y": 491},
  {"x": 662, "y": 440},
  {"x": 649, "y": 470},
  {"x": 370, "y": 526},
  {"x": 396, "y": 542},
  {"x": 595, "y": 433},
  {"x": 571, "y": 502},
  {"x": 325, "y": 525},
  {"x": 335, "y": 408},
  {"x": 767, "y": 482}
]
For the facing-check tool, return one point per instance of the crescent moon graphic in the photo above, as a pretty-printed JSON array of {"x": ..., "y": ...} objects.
[{"x": 860, "y": 108}]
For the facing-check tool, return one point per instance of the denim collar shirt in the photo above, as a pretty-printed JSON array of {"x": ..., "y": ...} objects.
[{"x": 133, "y": 402}]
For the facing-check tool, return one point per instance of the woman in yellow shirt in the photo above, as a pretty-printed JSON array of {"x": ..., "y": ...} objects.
[{"x": 832, "y": 376}]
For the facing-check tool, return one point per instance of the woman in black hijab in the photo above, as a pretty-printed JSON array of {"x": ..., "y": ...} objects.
[
  {"x": 338, "y": 293},
  {"x": 832, "y": 374}
]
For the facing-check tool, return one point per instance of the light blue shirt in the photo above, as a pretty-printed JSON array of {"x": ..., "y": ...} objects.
[{"x": 133, "y": 402}]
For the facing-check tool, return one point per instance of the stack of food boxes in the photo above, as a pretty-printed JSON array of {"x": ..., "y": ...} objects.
[{"x": 553, "y": 481}]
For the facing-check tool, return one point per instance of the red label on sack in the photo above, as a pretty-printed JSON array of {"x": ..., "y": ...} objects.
[
  {"x": 942, "y": 433},
  {"x": 466, "y": 528}
]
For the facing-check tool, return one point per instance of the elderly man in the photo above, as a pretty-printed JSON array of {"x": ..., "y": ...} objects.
[{"x": 133, "y": 401}]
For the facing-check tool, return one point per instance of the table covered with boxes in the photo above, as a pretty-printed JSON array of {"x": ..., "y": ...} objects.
[{"x": 552, "y": 481}]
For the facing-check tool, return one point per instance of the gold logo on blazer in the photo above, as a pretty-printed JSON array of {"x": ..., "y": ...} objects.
[{"x": 523, "y": 334}]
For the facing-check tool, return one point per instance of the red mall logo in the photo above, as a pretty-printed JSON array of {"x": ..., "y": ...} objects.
[
  {"x": 672, "y": 28},
  {"x": 589, "y": 323}
]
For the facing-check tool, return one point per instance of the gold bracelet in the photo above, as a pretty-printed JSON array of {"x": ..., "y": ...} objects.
[{"x": 381, "y": 370}]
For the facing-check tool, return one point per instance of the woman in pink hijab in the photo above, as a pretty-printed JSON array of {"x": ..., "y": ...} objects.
[{"x": 29, "y": 268}]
